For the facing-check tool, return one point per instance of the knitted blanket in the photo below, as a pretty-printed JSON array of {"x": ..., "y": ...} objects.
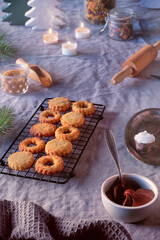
[{"x": 26, "y": 220}]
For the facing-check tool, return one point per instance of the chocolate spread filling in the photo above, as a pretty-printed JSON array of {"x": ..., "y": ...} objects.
[{"x": 128, "y": 195}]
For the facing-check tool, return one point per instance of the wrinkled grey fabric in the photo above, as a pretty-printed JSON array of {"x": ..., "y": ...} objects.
[
  {"x": 26, "y": 220},
  {"x": 153, "y": 4},
  {"x": 86, "y": 77}
]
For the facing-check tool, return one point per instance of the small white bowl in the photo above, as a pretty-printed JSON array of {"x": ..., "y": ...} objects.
[{"x": 124, "y": 213}]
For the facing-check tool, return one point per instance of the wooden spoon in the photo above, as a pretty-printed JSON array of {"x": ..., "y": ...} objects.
[{"x": 37, "y": 73}]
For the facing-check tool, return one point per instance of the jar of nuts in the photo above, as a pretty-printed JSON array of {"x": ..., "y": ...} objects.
[
  {"x": 14, "y": 79},
  {"x": 119, "y": 23}
]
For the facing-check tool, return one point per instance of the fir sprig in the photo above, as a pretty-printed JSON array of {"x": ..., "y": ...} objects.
[
  {"x": 6, "y": 49},
  {"x": 6, "y": 120},
  {"x": 1, "y": 37}
]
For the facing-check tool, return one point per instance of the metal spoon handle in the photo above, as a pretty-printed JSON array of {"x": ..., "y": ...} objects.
[{"x": 109, "y": 137}]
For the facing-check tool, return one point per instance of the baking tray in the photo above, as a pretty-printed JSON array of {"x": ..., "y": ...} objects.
[
  {"x": 70, "y": 161},
  {"x": 147, "y": 119}
]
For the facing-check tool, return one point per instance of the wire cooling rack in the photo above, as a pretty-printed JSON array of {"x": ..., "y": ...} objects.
[{"x": 70, "y": 161}]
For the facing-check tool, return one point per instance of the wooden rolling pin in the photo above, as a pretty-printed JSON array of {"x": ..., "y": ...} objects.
[{"x": 135, "y": 64}]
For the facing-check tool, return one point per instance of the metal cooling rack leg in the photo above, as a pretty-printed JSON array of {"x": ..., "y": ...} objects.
[{"x": 72, "y": 174}]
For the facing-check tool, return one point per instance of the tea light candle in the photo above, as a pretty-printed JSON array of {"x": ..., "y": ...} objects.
[
  {"x": 69, "y": 48},
  {"x": 50, "y": 37},
  {"x": 82, "y": 32}
]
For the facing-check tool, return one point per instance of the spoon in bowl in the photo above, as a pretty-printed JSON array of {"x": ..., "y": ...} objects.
[
  {"x": 123, "y": 193},
  {"x": 119, "y": 186},
  {"x": 109, "y": 137}
]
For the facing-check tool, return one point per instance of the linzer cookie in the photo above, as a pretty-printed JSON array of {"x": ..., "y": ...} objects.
[
  {"x": 20, "y": 160},
  {"x": 67, "y": 132},
  {"x": 43, "y": 129},
  {"x": 42, "y": 167},
  {"x": 84, "y": 107},
  {"x": 61, "y": 104},
  {"x": 49, "y": 116},
  {"x": 58, "y": 147},
  {"x": 37, "y": 145},
  {"x": 73, "y": 119}
]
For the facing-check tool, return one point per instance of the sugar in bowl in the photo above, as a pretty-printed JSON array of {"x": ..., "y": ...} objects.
[
  {"x": 119, "y": 23},
  {"x": 14, "y": 79}
]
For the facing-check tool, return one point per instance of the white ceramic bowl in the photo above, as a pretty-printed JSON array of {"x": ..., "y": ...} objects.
[{"x": 124, "y": 213}]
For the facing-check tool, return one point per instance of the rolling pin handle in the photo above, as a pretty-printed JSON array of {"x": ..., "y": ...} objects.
[
  {"x": 157, "y": 45},
  {"x": 119, "y": 77}
]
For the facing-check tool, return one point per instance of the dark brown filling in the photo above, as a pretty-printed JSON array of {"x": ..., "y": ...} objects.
[{"x": 127, "y": 195}]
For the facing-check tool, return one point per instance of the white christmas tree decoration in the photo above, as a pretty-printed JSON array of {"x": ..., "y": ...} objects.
[{"x": 45, "y": 14}]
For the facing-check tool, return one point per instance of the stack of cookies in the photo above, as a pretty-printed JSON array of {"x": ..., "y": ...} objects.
[{"x": 58, "y": 147}]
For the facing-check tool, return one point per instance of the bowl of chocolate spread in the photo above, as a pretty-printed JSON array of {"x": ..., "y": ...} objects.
[{"x": 130, "y": 200}]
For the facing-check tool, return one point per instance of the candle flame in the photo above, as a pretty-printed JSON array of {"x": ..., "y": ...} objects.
[
  {"x": 82, "y": 24},
  {"x": 69, "y": 42},
  {"x": 50, "y": 31}
]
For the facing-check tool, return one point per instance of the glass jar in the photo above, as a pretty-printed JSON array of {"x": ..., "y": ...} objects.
[
  {"x": 14, "y": 79},
  {"x": 96, "y": 10},
  {"x": 119, "y": 22}
]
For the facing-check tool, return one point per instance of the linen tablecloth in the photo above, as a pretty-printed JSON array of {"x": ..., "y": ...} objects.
[{"x": 86, "y": 77}]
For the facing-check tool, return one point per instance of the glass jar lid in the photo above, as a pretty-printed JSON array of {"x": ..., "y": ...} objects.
[{"x": 120, "y": 14}]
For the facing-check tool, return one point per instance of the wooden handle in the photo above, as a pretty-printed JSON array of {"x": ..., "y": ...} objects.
[
  {"x": 32, "y": 74},
  {"x": 23, "y": 62},
  {"x": 157, "y": 45},
  {"x": 119, "y": 77},
  {"x": 37, "y": 73}
]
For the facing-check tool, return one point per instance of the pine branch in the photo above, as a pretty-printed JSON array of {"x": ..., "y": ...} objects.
[
  {"x": 1, "y": 37},
  {"x": 6, "y": 120},
  {"x": 6, "y": 49}
]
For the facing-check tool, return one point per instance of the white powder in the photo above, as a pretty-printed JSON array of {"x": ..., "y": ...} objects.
[{"x": 144, "y": 137}]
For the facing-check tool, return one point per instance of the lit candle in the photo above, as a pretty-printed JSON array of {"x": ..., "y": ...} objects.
[
  {"x": 50, "y": 37},
  {"x": 82, "y": 32},
  {"x": 69, "y": 48}
]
